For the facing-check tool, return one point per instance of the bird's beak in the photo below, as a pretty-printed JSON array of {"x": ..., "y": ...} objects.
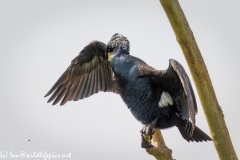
[{"x": 109, "y": 56}]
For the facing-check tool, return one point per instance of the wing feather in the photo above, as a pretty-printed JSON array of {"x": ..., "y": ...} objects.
[
  {"x": 88, "y": 73},
  {"x": 88, "y": 83},
  {"x": 99, "y": 78},
  {"x": 70, "y": 95},
  {"x": 77, "y": 92},
  {"x": 60, "y": 95},
  {"x": 191, "y": 106},
  {"x": 102, "y": 78},
  {"x": 95, "y": 86},
  {"x": 60, "y": 81},
  {"x": 56, "y": 93},
  {"x": 91, "y": 87}
]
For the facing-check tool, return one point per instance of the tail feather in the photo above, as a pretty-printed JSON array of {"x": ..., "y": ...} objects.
[{"x": 197, "y": 134}]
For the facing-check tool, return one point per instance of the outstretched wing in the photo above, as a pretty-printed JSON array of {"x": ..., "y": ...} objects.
[
  {"x": 175, "y": 81},
  {"x": 187, "y": 98},
  {"x": 88, "y": 73}
]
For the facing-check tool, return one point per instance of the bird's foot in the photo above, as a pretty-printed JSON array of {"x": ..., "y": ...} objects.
[
  {"x": 146, "y": 137},
  {"x": 147, "y": 133},
  {"x": 147, "y": 130}
]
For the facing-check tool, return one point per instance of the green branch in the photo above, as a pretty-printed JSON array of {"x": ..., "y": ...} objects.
[{"x": 212, "y": 110}]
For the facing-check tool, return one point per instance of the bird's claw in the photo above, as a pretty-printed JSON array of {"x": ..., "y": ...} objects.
[
  {"x": 146, "y": 141},
  {"x": 147, "y": 133},
  {"x": 147, "y": 130}
]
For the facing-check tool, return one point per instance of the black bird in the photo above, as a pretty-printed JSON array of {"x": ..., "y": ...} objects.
[{"x": 157, "y": 98}]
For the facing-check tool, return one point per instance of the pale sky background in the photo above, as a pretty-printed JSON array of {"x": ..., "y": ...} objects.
[{"x": 40, "y": 38}]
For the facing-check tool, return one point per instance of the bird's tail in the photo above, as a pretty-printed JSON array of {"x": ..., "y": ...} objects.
[{"x": 197, "y": 135}]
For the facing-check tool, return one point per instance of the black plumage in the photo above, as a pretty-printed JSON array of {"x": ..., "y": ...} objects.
[{"x": 157, "y": 98}]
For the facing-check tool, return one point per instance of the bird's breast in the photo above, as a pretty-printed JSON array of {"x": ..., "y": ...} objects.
[{"x": 136, "y": 91}]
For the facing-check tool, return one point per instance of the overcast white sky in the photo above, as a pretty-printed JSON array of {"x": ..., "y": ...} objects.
[{"x": 40, "y": 38}]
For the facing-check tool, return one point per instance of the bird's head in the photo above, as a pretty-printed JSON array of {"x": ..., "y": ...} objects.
[{"x": 117, "y": 44}]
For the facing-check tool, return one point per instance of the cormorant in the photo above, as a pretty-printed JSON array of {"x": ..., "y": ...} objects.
[{"x": 157, "y": 98}]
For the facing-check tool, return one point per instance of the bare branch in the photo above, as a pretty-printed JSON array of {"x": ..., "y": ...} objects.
[
  {"x": 160, "y": 151},
  {"x": 212, "y": 110}
]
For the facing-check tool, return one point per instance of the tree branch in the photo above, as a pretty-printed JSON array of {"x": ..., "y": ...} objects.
[
  {"x": 212, "y": 110},
  {"x": 160, "y": 151}
]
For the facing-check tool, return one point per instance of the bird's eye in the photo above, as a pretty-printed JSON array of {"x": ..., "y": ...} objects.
[{"x": 110, "y": 49}]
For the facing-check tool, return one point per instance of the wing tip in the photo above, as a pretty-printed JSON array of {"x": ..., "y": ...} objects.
[
  {"x": 63, "y": 102},
  {"x": 172, "y": 60},
  {"x": 46, "y": 95},
  {"x": 49, "y": 100}
]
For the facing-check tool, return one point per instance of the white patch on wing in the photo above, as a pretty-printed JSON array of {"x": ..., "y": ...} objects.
[{"x": 165, "y": 100}]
